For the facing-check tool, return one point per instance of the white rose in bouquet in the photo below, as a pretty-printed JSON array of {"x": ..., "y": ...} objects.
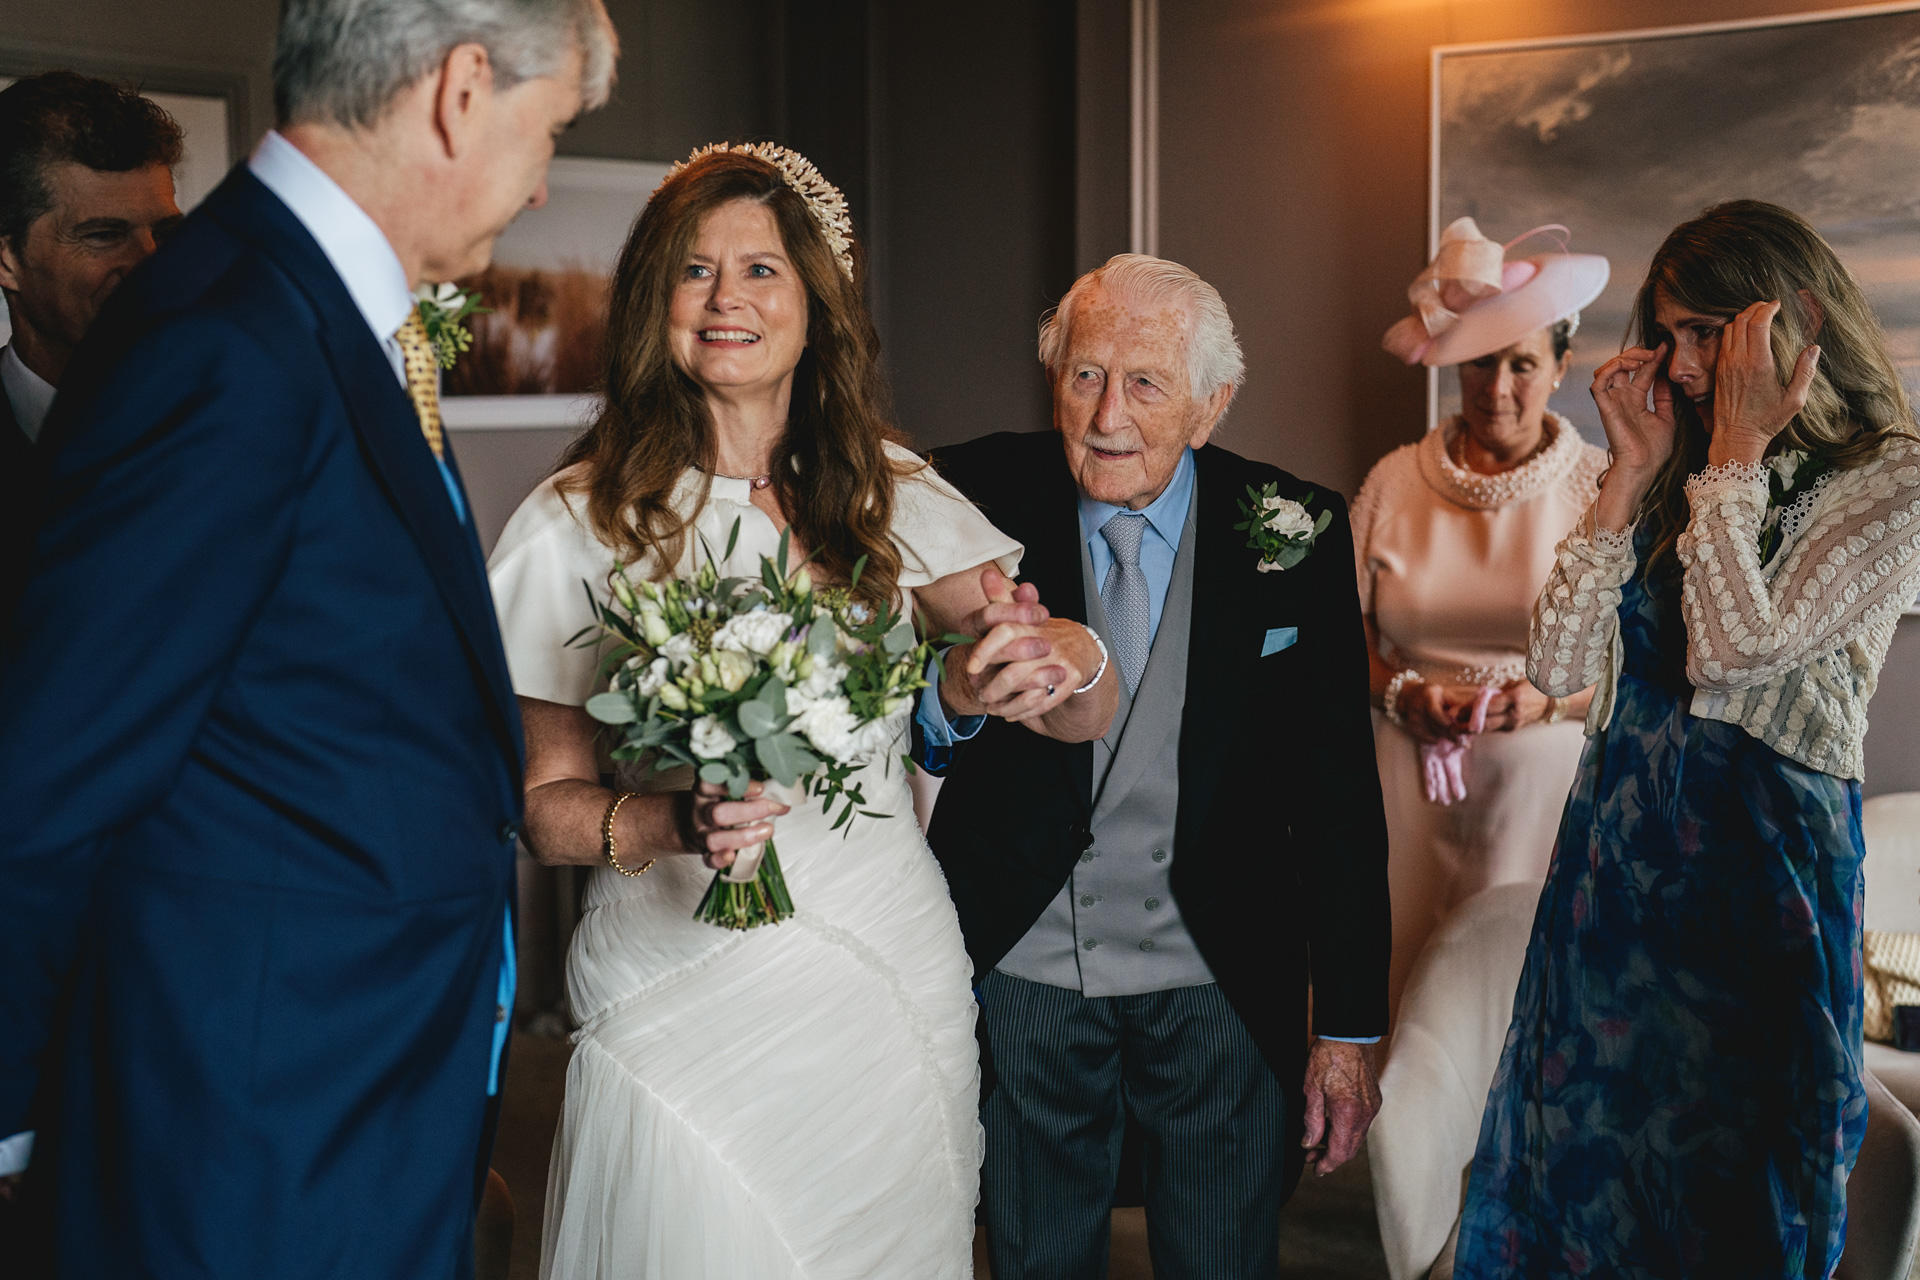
[
  {"x": 829, "y": 723},
  {"x": 680, "y": 649},
  {"x": 653, "y": 679},
  {"x": 755, "y": 633},
  {"x": 710, "y": 739}
]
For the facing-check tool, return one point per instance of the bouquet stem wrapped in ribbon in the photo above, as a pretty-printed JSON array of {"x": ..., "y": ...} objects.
[{"x": 756, "y": 680}]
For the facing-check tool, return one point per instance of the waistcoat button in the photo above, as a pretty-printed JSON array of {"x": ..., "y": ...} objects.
[
  {"x": 1146, "y": 944},
  {"x": 1153, "y": 904},
  {"x": 1159, "y": 855},
  {"x": 1091, "y": 943},
  {"x": 1086, "y": 899}
]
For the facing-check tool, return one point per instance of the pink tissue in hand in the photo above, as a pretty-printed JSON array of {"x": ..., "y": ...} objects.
[{"x": 1440, "y": 761}]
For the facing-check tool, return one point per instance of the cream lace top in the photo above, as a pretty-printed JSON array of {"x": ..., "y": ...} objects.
[
  {"x": 1790, "y": 651},
  {"x": 1450, "y": 560}
]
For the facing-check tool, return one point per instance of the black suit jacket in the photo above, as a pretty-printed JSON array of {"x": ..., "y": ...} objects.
[{"x": 1280, "y": 853}]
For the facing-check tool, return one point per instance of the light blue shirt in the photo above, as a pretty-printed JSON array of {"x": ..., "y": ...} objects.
[{"x": 1159, "y": 545}]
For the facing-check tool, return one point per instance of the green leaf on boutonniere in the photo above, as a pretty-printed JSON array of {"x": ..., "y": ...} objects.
[
  {"x": 1280, "y": 529},
  {"x": 442, "y": 309}
]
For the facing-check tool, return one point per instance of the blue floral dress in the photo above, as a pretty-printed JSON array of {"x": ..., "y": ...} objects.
[{"x": 1680, "y": 1092}]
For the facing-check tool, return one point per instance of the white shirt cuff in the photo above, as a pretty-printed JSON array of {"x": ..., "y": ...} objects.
[{"x": 1351, "y": 1039}]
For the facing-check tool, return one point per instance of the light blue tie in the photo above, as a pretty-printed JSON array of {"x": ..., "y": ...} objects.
[{"x": 1124, "y": 596}]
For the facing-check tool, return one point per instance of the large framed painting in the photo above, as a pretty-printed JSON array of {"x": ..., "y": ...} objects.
[
  {"x": 536, "y": 354},
  {"x": 1623, "y": 136}
]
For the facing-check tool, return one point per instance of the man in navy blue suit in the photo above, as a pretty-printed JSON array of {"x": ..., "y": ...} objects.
[{"x": 259, "y": 758}]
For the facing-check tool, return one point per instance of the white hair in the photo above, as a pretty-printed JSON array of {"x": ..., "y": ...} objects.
[
  {"x": 344, "y": 61},
  {"x": 1143, "y": 283}
]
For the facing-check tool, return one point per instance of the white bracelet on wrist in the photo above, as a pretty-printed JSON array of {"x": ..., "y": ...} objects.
[
  {"x": 1103, "y": 660},
  {"x": 1390, "y": 700}
]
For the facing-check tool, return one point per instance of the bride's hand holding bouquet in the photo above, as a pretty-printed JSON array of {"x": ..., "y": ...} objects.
[{"x": 768, "y": 689}]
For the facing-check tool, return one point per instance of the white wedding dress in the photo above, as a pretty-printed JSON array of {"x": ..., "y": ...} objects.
[{"x": 797, "y": 1100}]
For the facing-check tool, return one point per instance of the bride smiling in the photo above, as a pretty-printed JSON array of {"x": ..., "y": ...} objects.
[{"x": 792, "y": 1100}]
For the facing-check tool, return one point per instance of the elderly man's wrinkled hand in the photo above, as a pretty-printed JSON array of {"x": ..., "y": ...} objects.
[
  {"x": 1342, "y": 1098},
  {"x": 1028, "y": 689},
  {"x": 1007, "y": 670}
]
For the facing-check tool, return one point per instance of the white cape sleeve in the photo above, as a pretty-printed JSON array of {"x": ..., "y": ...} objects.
[
  {"x": 939, "y": 532},
  {"x": 541, "y": 570}
]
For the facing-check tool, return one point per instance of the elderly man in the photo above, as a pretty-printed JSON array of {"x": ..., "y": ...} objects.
[
  {"x": 263, "y": 762},
  {"x": 1148, "y": 912},
  {"x": 86, "y": 194}
]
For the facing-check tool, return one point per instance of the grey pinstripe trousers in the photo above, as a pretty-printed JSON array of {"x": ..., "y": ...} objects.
[{"x": 1181, "y": 1066}]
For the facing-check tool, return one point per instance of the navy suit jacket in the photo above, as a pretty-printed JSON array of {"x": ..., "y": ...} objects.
[{"x": 260, "y": 771}]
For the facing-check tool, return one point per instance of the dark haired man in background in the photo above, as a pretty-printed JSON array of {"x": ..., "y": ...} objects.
[{"x": 86, "y": 193}]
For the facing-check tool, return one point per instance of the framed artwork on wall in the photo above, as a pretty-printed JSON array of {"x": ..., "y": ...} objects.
[
  {"x": 536, "y": 356},
  {"x": 1623, "y": 136}
]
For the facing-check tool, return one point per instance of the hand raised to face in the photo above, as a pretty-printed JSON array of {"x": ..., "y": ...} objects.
[
  {"x": 1750, "y": 404},
  {"x": 1635, "y": 400}
]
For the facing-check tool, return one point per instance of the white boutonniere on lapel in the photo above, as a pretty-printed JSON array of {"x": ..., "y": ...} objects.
[
  {"x": 1280, "y": 529},
  {"x": 442, "y": 309}
]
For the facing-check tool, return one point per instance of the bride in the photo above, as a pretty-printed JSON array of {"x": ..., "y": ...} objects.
[{"x": 799, "y": 1099}]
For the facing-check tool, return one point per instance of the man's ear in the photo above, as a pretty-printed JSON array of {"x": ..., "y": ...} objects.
[
  {"x": 1212, "y": 409},
  {"x": 1816, "y": 314},
  {"x": 10, "y": 265},
  {"x": 462, "y": 97}
]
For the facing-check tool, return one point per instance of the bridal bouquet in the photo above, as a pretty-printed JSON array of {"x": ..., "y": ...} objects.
[{"x": 751, "y": 680}]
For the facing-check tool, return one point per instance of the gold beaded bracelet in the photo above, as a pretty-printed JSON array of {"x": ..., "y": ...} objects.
[{"x": 607, "y": 842}]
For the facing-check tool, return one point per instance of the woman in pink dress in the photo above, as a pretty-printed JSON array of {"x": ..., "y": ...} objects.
[{"x": 1454, "y": 536}]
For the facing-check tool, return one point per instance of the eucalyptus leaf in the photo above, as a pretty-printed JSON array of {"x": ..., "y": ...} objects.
[
  {"x": 611, "y": 708},
  {"x": 774, "y": 694},
  {"x": 785, "y": 757},
  {"x": 898, "y": 640},
  {"x": 821, "y": 640},
  {"x": 757, "y": 719},
  {"x": 714, "y": 772}
]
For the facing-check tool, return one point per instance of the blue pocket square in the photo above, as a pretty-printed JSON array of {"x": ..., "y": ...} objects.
[{"x": 1277, "y": 639}]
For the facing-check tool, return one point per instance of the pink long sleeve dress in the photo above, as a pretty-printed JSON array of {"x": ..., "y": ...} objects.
[{"x": 1450, "y": 562}]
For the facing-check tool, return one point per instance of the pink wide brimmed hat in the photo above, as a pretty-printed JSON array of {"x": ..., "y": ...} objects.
[{"x": 1472, "y": 300}]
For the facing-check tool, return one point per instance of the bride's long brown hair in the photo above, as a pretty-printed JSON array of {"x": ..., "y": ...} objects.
[{"x": 830, "y": 469}]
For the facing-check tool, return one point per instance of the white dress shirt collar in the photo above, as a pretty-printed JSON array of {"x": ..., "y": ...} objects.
[
  {"x": 30, "y": 394},
  {"x": 352, "y": 241}
]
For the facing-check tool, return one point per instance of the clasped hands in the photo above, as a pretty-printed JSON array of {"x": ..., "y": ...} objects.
[
  {"x": 1025, "y": 662},
  {"x": 1436, "y": 713},
  {"x": 1751, "y": 403}
]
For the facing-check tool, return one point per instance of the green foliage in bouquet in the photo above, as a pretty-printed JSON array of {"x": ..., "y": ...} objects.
[{"x": 745, "y": 679}]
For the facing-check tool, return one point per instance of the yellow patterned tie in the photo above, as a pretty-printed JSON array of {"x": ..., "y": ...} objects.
[{"x": 423, "y": 378}]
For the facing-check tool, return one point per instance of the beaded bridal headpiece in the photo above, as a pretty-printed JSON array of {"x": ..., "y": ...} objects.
[{"x": 824, "y": 201}]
